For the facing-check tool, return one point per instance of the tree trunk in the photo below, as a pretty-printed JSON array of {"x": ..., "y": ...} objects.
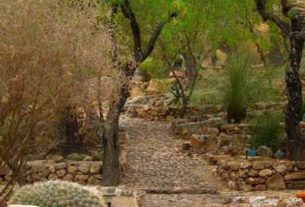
[
  {"x": 111, "y": 165},
  {"x": 296, "y": 143}
]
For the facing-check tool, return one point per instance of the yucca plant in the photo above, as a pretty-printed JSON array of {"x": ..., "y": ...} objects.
[{"x": 266, "y": 130}]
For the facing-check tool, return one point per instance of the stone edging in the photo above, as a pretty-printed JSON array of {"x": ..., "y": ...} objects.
[{"x": 259, "y": 174}]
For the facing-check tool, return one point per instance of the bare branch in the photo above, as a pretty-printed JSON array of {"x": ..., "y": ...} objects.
[
  {"x": 155, "y": 36},
  {"x": 128, "y": 13},
  {"x": 267, "y": 16}
]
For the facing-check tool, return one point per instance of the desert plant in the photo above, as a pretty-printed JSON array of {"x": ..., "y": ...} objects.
[
  {"x": 240, "y": 87},
  {"x": 56, "y": 193},
  {"x": 42, "y": 56},
  {"x": 266, "y": 130}
]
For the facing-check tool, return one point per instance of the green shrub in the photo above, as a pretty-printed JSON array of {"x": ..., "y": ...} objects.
[
  {"x": 240, "y": 86},
  {"x": 56, "y": 194},
  {"x": 266, "y": 130}
]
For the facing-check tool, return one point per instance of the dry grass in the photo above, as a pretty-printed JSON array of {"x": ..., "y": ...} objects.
[{"x": 48, "y": 53}]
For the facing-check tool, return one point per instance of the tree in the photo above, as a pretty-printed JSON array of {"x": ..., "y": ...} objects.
[
  {"x": 111, "y": 170},
  {"x": 293, "y": 116}
]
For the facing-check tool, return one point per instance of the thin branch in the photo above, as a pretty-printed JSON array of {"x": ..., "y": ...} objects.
[
  {"x": 128, "y": 13},
  {"x": 155, "y": 36},
  {"x": 267, "y": 16}
]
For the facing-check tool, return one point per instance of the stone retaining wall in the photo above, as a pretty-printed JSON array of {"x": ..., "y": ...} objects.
[
  {"x": 259, "y": 174},
  {"x": 83, "y": 172}
]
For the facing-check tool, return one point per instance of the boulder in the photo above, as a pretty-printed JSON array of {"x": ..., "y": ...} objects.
[
  {"x": 264, "y": 151},
  {"x": 276, "y": 182}
]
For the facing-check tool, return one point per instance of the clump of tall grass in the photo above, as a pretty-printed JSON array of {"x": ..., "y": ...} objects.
[
  {"x": 236, "y": 87},
  {"x": 267, "y": 130}
]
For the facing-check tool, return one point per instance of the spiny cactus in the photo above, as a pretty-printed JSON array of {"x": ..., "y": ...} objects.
[{"x": 56, "y": 194}]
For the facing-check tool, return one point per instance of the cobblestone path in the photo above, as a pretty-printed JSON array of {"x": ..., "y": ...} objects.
[{"x": 172, "y": 178}]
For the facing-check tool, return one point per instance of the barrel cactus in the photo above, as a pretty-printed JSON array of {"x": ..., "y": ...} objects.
[{"x": 56, "y": 194}]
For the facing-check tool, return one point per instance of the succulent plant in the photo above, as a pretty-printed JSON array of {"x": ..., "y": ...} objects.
[{"x": 56, "y": 194}]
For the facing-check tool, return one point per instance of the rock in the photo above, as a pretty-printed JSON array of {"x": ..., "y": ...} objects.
[
  {"x": 186, "y": 146},
  {"x": 243, "y": 173},
  {"x": 263, "y": 201},
  {"x": 94, "y": 181},
  {"x": 296, "y": 185},
  {"x": 299, "y": 164},
  {"x": 56, "y": 158},
  {"x": 281, "y": 168},
  {"x": 88, "y": 158},
  {"x": 276, "y": 182},
  {"x": 141, "y": 76},
  {"x": 234, "y": 165},
  {"x": 260, "y": 188},
  {"x": 84, "y": 168},
  {"x": 61, "y": 173},
  {"x": 59, "y": 166},
  {"x": 253, "y": 173},
  {"x": 95, "y": 169},
  {"x": 221, "y": 57},
  {"x": 53, "y": 176},
  {"x": 255, "y": 181},
  {"x": 68, "y": 177},
  {"x": 261, "y": 164},
  {"x": 98, "y": 176},
  {"x": 295, "y": 176},
  {"x": 76, "y": 157},
  {"x": 280, "y": 154},
  {"x": 81, "y": 177},
  {"x": 265, "y": 173},
  {"x": 198, "y": 141},
  {"x": 246, "y": 188},
  {"x": 72, "y": 169},
  {"x": 264, "y": 151}
]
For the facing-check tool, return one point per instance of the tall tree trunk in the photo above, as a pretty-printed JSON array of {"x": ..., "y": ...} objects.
[
  {"x": 111, "y": 164},
  {"x": 296, "y": 143}
]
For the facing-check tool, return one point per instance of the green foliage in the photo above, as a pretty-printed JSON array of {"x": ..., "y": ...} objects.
[
  {"x": 177, "y": 96},
  {"x": 266, "y": 130},
  {"x": 240, "y": 86},
  {"x": 56, "y": 194}
]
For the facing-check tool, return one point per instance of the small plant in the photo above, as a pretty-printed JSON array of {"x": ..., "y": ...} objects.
[
  {"x": 56, "y": 194},
  {"x": 266, "y": 130}
]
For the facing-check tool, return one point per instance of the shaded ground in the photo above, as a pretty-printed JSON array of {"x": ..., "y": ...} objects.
[{"x": 175, "y": 179}]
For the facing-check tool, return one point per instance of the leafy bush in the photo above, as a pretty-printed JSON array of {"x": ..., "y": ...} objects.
[
  {"x": 266, "y": 130},
  {"x": 56, "y": 193}
]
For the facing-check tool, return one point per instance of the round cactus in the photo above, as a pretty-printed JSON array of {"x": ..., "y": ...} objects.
[{"x": 56, "y": 194}]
